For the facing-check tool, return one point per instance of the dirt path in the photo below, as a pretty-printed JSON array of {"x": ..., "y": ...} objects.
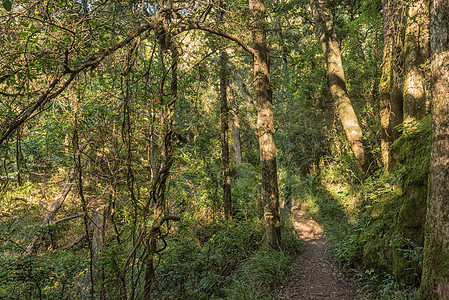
[{"x": 316, "y": 275}]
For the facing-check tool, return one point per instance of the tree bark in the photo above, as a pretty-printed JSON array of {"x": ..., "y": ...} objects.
[
  {"x": 265, "y": 124},
  {"x": 337, "y": 83},
  {"x": 242, "y": 87},
  {"x": 435, "y": 278},
  {"x": 390, "y": 89},
  {"x": 227, "y": 201},
  {"x": 417, "y": 52}
]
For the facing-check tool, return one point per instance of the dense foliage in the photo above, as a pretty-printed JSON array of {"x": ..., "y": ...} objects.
[{"x": 111, "y": 174}]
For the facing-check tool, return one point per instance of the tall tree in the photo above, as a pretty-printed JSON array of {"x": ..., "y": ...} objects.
[
  {"x": 227, "y": 201},
  {"x": 337, "y": 83},
  {"x": 435, "y": 278},
  {"x": 224, "y": 124},
  {"x": 265, "y": 124},
  {"x": 390, "y": 90}
]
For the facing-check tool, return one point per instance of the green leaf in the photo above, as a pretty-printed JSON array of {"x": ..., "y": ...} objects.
[{"x": 7, "y": 4}]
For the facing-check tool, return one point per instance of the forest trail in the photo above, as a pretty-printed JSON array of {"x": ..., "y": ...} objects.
[{"x": 316, "y": 274}]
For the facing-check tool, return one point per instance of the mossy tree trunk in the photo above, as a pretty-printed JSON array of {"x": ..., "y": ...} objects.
[
  {"x": 265, "y": 124},
  {"x": 435, "y": 279},
  {"x": 390, "y": 89},
  {"x": 337, "y": 83},
  {"x": 416, "y": 48}
]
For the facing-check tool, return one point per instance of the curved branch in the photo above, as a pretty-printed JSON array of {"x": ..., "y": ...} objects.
[
  {"x": 216, "y": 31},
  {"x": 43, "y": 99}
]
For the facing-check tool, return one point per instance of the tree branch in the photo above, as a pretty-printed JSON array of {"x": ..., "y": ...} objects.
[
  {"x": 216, "y": 31},
  {"x": 67, "y": 218}
]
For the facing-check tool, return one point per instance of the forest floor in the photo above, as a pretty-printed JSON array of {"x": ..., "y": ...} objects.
[{"x": 316, "y": 274}]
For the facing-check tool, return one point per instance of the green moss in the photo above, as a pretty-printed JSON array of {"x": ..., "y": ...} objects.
[
  {"x": 435, "y": 266},
  {"x": 385, "y": 81}
]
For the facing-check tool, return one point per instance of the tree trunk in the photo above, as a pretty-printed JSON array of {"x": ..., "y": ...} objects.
[
  {"x": 417, "y": 51},
  {"x": 235, "y": 128},
  {"x": 242, "y": 87},
  {"x": 390, "y": 90},
  {"x": 19, "y": 157},
  {"x": 97, "y": 244},
  {"x": 265, "y": 125},
  {"x": 435, "y": 278},
  {"x": 337, "y": 83},
  {"x": 227, "y": 201},
  {"x": 250, "y": 105},
  {"x": 236, "y": 137}
]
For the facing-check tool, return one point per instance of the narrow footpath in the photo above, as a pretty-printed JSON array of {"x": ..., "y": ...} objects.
[{"x": 316, "y": 275}]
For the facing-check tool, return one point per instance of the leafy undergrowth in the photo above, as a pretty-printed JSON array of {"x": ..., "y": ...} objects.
[
  {"x": 227, "y": 260},
  {"x": 232, "y": 264},
  {"x": 260, "y": 274}
]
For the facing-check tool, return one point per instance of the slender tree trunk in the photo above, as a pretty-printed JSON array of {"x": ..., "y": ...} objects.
[
  {"x": 390, "y": 90},
  {"x": 19, "y": 156},
  {"x": 236, "y": 138},
  {"x": 250, "y": 105},
  {"x": 235, "y": 128},
  {"x": 227, "y": 201},
  {"x": 97, "y": 241},
  {"x": 265, "y": 125},
  {"x": 435, "y": 278},
  {"x": 242, "y": 87},
  {"x": 337, "y": 83},
  {"x": 417, "y": 52}
]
